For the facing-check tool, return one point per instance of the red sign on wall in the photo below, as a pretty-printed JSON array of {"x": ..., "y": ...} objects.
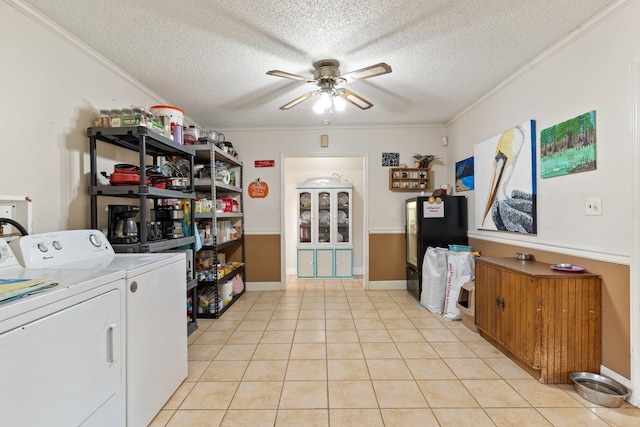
[{"x": 264, "y": 163}]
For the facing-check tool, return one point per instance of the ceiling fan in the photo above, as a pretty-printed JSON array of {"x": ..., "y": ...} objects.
[{"x": 329, "y": 80}]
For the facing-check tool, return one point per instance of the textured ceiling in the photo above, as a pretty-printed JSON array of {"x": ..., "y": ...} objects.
[{"x": 210, "y": 57}]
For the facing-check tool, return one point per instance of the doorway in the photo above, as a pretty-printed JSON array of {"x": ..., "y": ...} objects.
[{"x": 296, "y": 167}]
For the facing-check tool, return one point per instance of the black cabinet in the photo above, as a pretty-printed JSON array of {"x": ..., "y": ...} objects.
[{"x": 431, "y": 221}]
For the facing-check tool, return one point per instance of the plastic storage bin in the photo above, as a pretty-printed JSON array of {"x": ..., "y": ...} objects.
[{"x": 467, "y": 305}]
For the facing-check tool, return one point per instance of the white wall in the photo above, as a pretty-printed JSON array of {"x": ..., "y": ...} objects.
[
  {"x": 593, "y": 70},
  {"x": 385, "y": 208},
  {"x": 590, "y": 72},
  {"x": 51, "y": 91}
]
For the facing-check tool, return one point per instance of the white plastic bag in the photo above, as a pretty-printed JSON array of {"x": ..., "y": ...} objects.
[
  {"x": 238, "y": 284},
  {"x": 434, "y": 279},
  {"x": 460, "y": 270}
]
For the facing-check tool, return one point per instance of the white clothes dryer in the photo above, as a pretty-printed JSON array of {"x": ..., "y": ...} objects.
[
  {"x": 155, "y": 301},
  {"x": 62, "y": 349}
]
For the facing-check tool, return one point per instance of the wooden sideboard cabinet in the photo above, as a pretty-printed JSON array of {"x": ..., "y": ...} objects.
[{"x": 547, "y": 321}]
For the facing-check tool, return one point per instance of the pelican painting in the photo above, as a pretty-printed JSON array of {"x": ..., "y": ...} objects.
[{"x": 505, "y": 181}]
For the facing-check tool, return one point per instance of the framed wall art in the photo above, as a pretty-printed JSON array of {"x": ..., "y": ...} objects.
[
  {"x": 505, "y": 181},
  {"x": 390, "y": 159},
  {"x": 464, "y": 175},
  {"x": 569, "y": 147}
]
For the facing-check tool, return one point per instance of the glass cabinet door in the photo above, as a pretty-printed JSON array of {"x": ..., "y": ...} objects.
[
  {"x": 344, "y": 230},
  {"x": 412, "y": 233},
  {"x": 304, "y": 220},
  {"x": 324, "y": 217}
]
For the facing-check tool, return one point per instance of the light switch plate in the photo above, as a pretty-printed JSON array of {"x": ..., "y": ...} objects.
[
  {"x": 324, "y": 141},
  {"x": 593, "y": 206}
]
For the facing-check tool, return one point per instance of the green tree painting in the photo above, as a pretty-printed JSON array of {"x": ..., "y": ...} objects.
[{"x": 569, "y": 147}]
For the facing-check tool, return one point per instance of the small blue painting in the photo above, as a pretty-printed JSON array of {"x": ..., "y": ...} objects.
[{"x": 464, "y": 175}]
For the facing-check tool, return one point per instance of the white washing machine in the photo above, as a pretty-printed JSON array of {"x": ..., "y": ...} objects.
[
  {"x": 62, "y": 349},
  {"x": 155, "y": 301}
]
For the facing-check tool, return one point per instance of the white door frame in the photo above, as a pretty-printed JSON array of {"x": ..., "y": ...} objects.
[
  {"x": 634, "y": 280},
  {"x": 365, "y": 209}
]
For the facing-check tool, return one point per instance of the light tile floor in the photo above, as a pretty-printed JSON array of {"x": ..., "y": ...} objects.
[{"x": 328, "y": 353}]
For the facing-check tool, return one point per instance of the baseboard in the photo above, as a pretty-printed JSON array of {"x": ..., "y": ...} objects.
[
  {"x": 357, "y": 271},
  {"x": 387, "y": 285},
  {"x": 263, "y": 286}
]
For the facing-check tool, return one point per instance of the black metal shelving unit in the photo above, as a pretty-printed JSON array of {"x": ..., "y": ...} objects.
[
  {"x": 148, "y": 144},
  {"x": 208, "y": 153}
]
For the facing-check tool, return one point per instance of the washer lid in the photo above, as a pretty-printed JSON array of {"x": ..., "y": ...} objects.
[
  {"x": 130, "y": 264},
  {"x": 71, "y": 282}
]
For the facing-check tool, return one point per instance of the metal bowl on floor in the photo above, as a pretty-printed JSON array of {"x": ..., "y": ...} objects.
[
  {"x": 523, "y": 256},
  {"x": 599, "y": 389}
]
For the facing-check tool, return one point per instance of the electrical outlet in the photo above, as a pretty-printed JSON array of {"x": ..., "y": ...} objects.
[{"x": 593, "y": 206}]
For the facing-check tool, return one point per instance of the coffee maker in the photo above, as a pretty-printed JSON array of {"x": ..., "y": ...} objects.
[{"x": 122, "y": 226}]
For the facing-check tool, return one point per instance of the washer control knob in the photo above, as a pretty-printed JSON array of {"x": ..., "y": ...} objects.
[
  {"x": 43, "y": 247},
  {"x": 95, "y": 240},
  {"x": 134, "y": 286},
  {"x": 57, "y": 245}
]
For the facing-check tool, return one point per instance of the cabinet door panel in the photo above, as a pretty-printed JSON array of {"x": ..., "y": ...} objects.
[
  {"x": 343, "y": 217},
  {"x": 343, "y": 263},
  {"x": 488, "y": 292},
  {"x": 324, "y": 263},
  {"x": 304, "y": 217},
  {"x": 518, "y": 315},
  {"x": 305, "y": 263},
  {"x": 323, "y": 218}
]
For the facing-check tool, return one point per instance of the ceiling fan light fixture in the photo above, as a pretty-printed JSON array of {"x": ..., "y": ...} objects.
[
  {"x": 328, "y": 78},
  {"x": 323, "y": 103},
  {"x": 338, "y": 103}
]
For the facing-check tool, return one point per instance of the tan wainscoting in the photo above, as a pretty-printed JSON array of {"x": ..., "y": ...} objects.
[
  {"x": 262, "y": 255},
  {"x": 387, "y": 257},
  {"x": 616, "y": 314}
]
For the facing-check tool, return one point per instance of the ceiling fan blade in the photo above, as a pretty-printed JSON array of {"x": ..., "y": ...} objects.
[
  {"x": 367, "y": 72},
  {"x": 356, "y": 100},
  {"x": 286, "y": 75},
  {"x": 296, "y": 101}
]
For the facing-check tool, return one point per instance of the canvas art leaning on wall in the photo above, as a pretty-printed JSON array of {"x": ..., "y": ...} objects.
[
  {"x": 569, "y": 147},
  {"x": 505, "y": 183}
]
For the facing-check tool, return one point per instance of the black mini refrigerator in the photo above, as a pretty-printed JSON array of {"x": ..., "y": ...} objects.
[{"x": 431, "y": 221}]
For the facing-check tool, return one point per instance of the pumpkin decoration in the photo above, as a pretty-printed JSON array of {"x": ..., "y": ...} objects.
[{"x": 258, "y": 189}]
